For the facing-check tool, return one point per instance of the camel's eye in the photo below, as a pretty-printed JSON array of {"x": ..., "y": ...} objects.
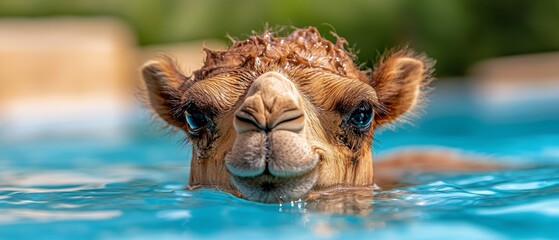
[
  {"x": 195, "y": 119},
  {"x": 362, "y": 116}
]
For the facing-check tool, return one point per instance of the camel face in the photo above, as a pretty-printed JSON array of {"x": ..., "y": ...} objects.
[
  {"x": 272, "y": 157},
  {"x": 273, "y": 119}
]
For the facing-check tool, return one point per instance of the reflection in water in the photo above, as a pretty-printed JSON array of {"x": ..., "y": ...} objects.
[
  {"x": 52, "y": 190},
  {"x": 136, "y": 190},
  {"x": 22, "y": 215},
  {"x": 355, "y": 201},
  {"x": 174, "y": 214},
  {"x": 163, "y": 205}
]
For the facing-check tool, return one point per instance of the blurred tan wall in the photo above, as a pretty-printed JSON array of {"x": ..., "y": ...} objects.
[
  {"x": 64, "y": 71},
  {"x": 515, "y": 79},
  {"x": 69, "y": 73},
  {"x": 64, "y": 58}
]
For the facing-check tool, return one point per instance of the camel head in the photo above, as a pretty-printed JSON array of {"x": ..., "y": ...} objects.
[{"x": 273, "y": 119}]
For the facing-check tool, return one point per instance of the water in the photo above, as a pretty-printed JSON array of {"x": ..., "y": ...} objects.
[{"x": 95, "y": 186}]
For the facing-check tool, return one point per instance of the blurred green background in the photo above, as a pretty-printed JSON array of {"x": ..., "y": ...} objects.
[{"x": 456, "y": 33}]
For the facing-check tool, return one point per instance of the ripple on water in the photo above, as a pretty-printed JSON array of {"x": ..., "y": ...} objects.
[
  {"x": 174, "y": 214},
  {"x": 523, "y": 186},
  {"x": 31, "y": 215},
  {"x": 145, "y": 198},
  {"x": 548, "y": 207}
]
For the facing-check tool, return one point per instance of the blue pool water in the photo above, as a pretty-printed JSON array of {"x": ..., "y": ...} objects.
[{"x": 98, "y": 186}]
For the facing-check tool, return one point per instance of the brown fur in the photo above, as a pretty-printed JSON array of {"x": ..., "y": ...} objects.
[{"x": 330, "y": 86}]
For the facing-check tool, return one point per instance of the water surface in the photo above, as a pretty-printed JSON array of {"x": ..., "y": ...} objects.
[{"x": 98, "y": 186}]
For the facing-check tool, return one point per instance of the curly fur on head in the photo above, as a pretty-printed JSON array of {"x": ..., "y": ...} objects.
[{"x": 303, "y": 47}]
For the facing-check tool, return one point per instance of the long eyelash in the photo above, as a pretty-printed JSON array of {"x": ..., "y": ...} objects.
[
  {"x": 375, "y": 144},
  {"x": 184, "y": 142},
  {"x": 178, "y": 112}
]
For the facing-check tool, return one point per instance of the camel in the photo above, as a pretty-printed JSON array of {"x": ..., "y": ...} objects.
[{"x": 274, "y": 119}]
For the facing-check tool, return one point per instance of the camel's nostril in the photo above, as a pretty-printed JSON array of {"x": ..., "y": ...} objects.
[
  {"x": 290, "y": 120},
  {"x": 272, "y": 103},
  {"x": 245, "y": 120}
]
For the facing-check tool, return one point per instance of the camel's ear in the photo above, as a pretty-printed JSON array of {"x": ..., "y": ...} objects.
[
  {"x": 163, "y": 84},
  {"x": 399, "y": 81}
]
